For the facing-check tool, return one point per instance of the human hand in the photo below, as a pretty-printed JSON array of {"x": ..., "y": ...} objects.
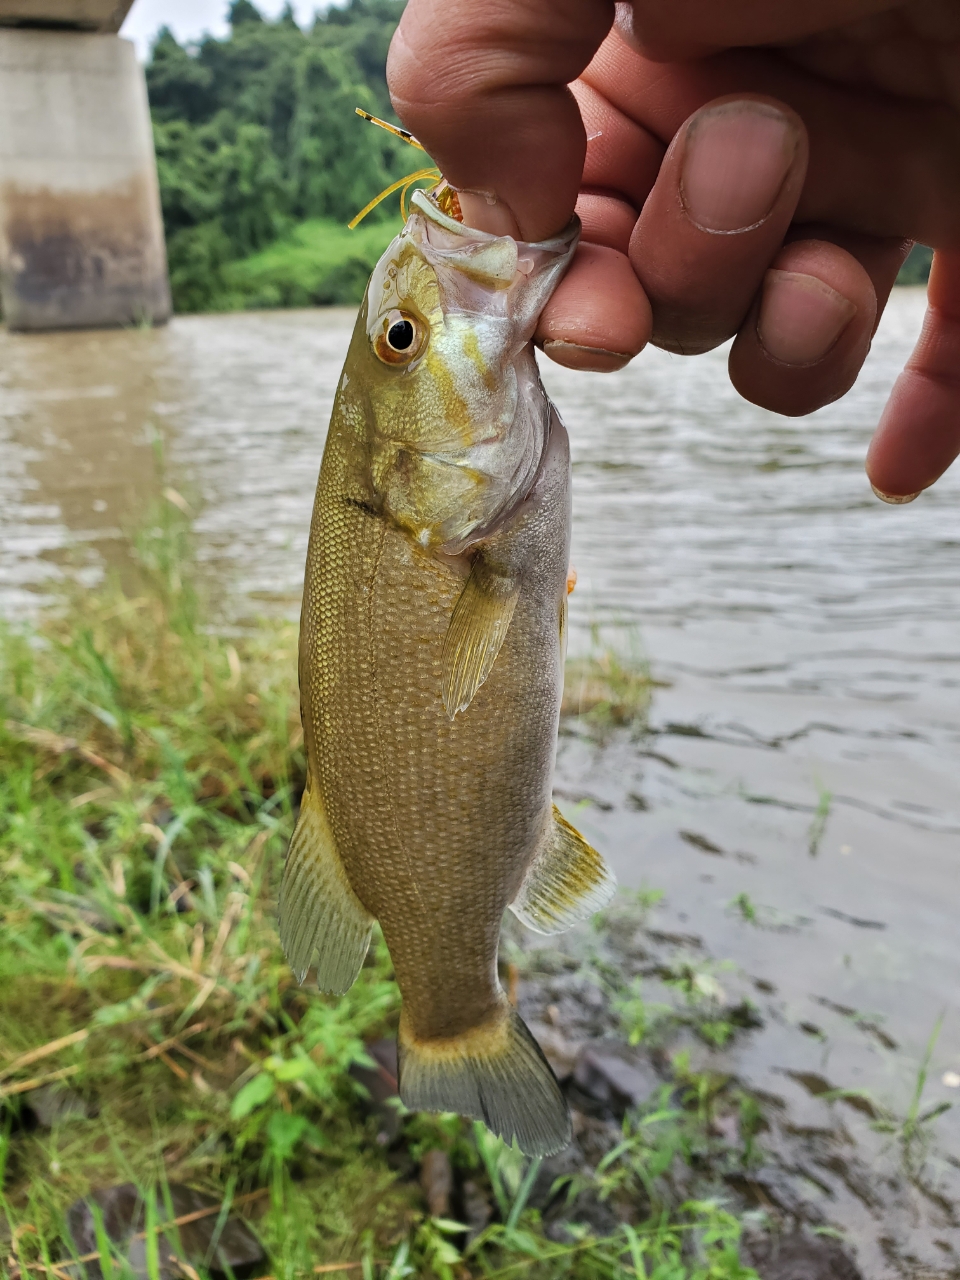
[{"x": 755, "y": 168}]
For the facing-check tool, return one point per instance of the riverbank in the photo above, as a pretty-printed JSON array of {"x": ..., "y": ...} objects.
[
  {"x": 151, "y": 1033},
  {"x": 319, "y": 263},
  {"x": 152, "y": 1037},
  {"x": 789, "y": 786}
]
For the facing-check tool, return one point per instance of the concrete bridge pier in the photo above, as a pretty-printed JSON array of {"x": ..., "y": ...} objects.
[{"x": 81, "y": 235}]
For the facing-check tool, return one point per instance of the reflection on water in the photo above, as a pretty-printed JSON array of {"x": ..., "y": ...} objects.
[
  {"x": 240, "y": 404},
  {"x": 808, "y": 634}
]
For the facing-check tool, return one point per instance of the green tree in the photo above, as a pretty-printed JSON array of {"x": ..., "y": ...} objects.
[{"x": 256, "y": 132}]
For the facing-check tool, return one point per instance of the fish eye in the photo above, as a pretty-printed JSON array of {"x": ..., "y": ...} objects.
[
  {"x": 400, "y": 335},
  {"x": 401, "y": 338}
]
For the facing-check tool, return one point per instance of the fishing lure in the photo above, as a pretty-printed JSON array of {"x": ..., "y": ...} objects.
[{"x": 444, "y": 195}]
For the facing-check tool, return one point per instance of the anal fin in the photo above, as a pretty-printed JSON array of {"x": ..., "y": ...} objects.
[
  {"x": 478, "y": 628},
  {"x": 566, "y": 882},
  {"x": 319, "y": 911}
]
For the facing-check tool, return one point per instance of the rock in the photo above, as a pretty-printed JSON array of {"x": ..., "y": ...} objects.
[
  {"x": 800, "y": 1257},
  {"x": 561, "y": 1053},
  {"x": 52, "y": 1104},
  {"x": 586, "y": 1211},
  {"x": 774, "y": 1186},
  {"x": 237, "y": 1252},
  {"x": 726, "y": 1127},
  {"x": 594, "y": 1136},
  {"x": 384, "y": 1054},
  {"x": 565, "y": 1164},
  {"x": 614, "y": 1077},
  {"x": 380, "y": 1082},
  {"x": 436, "y": 1178},
  {"x": 477, "y": 1209}
]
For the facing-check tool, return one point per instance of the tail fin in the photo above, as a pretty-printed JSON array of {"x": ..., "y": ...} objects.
[{"x": 495, "y": 1073}]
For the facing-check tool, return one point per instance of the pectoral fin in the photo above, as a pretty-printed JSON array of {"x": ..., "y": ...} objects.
[
  {"x": 319, "y": 911},
  {"x": 477, "y": 630},
  {"x": 566, "y": 883}
]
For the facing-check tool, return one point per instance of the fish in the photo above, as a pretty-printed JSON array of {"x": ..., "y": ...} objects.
[{"x": 431, "y": 669}]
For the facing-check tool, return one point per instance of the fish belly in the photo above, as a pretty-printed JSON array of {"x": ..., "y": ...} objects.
[{"x": 435, "y": 819}]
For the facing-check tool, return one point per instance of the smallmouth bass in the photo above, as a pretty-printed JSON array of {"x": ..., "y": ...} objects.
[{"x": 431, "y": 669}]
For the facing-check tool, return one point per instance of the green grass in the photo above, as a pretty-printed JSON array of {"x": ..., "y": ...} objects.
[
  {"x": 150, "y": 770},
  {"x": 818, "y": 827},
  {"x": 610, "y": 686},
  {"x": 319, "y": 263}
]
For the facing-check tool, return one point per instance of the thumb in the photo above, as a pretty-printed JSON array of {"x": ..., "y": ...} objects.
[{"x": 484, "y": 89}]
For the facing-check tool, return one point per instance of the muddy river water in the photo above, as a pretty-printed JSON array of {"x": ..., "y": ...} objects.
[{"x": 804, "y": 747}]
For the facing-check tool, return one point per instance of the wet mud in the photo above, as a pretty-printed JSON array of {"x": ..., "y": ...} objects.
[{"x": 822, "y": 1174}]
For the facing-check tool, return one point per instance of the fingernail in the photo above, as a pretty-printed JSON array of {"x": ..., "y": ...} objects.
[
  {"x": 589, "y": 359},
  {"x": 735, "y": 159},
  {"x": 484, "y": 212},
  {"x": 800, "y": 317},
  {"x": 896, "y": 499}
]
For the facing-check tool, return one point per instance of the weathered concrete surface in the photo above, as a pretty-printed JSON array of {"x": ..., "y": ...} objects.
[
  {"x": 81, "y": 235},
  {"x": 80, "y": 15}
]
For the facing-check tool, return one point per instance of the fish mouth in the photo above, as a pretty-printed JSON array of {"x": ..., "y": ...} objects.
[
  {"x": 450, "y": 493},
  {"x": 493, "y": 275},
  {"x": 427, "y": 202}
]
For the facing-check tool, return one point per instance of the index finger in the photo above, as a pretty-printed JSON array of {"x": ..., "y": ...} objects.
[{"x": 484, "y": 88}]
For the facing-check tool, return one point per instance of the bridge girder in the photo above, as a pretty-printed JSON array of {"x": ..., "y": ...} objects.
[{"x": 65, "y": 15}]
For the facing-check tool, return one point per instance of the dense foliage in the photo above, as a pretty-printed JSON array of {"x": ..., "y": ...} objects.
[
  {"x": 257, "y": 133},
  {"x": 916, "y": 269}
]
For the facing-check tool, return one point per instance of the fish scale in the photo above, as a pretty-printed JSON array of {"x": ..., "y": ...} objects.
[{"x": 431, "y": 671}]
